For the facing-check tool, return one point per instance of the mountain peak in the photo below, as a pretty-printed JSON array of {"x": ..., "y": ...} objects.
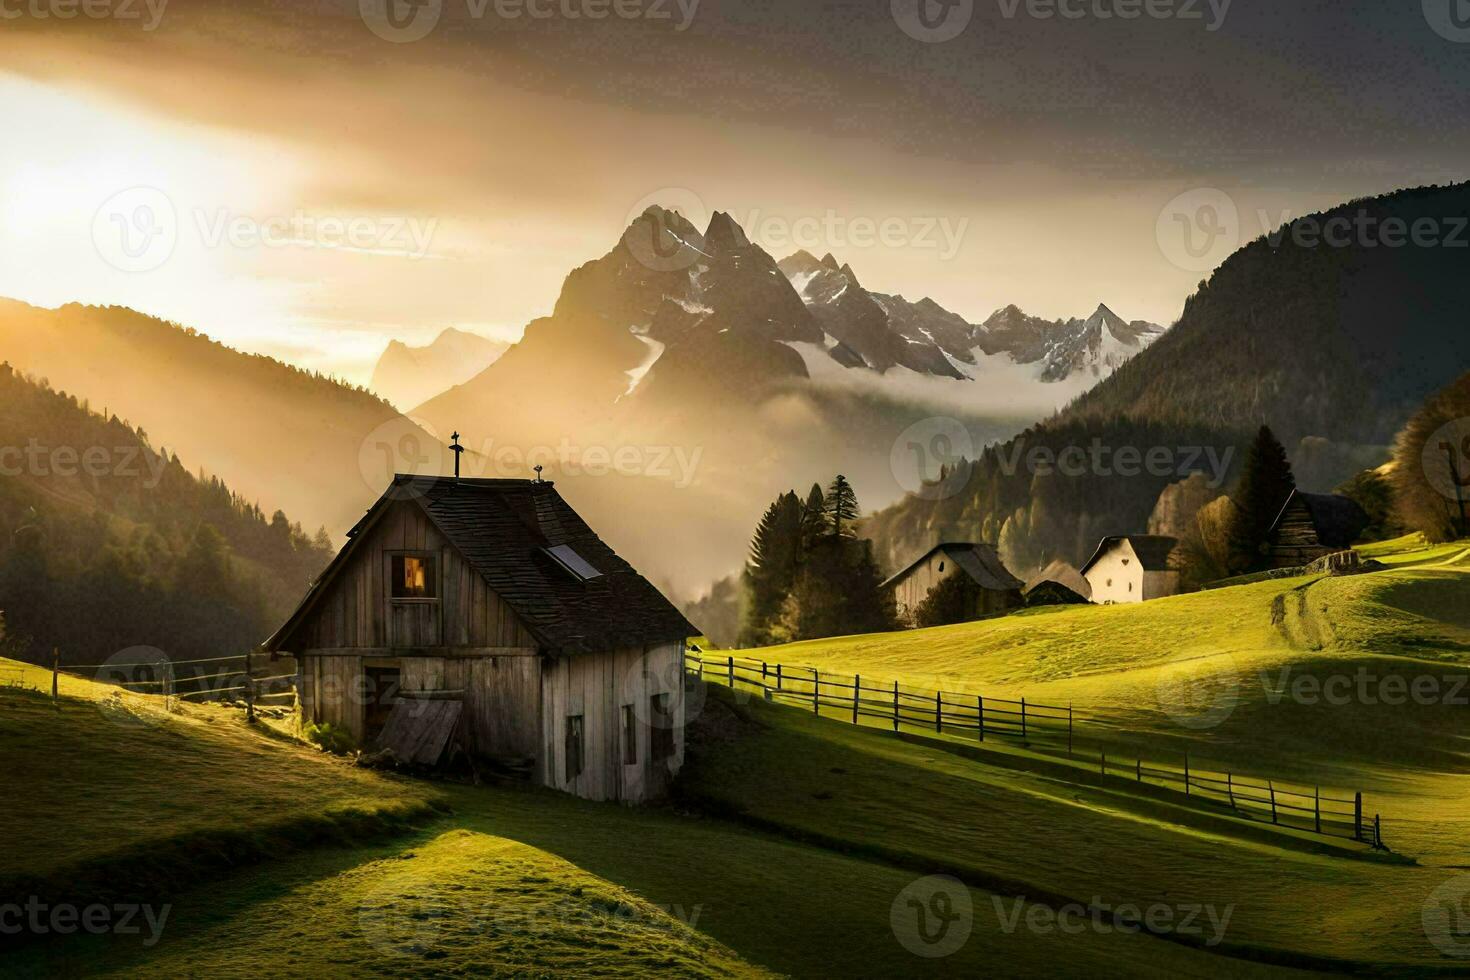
[
  {"x": 830, "y": 262},
  {"x": 725, "y": 233}
]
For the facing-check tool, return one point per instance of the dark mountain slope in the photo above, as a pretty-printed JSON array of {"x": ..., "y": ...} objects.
[
  {"x": 308, "y": 444},
  {"x": 1331, "y": 346}
]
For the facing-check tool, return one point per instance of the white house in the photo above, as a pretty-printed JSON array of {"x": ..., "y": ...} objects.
[{"x": 1132, "y": 568}]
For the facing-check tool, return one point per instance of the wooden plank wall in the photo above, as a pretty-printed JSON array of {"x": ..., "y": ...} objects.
[
  {"x": 1296, "y": 541},
  {"x": 502, "y": 698},
  {"x": 596, "y": 686},
  {"x": 355, "y": 611},
  {"x": 331, "y": 692}
]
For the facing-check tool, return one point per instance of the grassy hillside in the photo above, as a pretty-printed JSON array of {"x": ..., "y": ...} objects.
[
  {"x": 1286, "y": 661},
  {"x": 482, "y": 880},
  {"x": 922, "y": 807}
]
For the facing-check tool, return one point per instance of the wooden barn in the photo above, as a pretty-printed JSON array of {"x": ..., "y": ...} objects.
[
  {"x": 999, "y": 591},
  {"x": 1132, "y": 568},
  {"x": 1311, "y": 525},
  {"x": 487, "y": 610}
]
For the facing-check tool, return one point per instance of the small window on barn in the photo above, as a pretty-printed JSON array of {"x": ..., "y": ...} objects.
[
  {"x": 1130, "y": 586},
  {"x": 630, "y": 736},
  {"x": 574, "y": 747},
  {"x": 941, "y": 566},
  {"x": 415, "y": 577},
  {"x": 661, "y": 727}
]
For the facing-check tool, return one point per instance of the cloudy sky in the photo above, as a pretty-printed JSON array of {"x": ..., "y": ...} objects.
[{"x": 309, "y": 179}]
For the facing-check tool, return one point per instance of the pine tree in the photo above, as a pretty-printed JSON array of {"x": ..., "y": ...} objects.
[
  {"x": 775, "y": 552},
  {"x": 1266, "y": 482},
  {"x": 814, "y": 523},
  {"x": 841, "y": 506}
]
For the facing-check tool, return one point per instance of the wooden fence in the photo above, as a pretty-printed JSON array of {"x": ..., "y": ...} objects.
[
  {"x": 187, "y": 680},
  {"x": 1044, "y": 728}
]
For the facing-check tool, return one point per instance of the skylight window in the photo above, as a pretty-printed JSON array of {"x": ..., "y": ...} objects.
[{"x": 574, "y": 564}]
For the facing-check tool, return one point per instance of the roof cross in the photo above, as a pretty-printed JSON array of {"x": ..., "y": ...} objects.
[{"x": 457, "y": 449}]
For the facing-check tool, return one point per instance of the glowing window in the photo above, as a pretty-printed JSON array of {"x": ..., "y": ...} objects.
[{"x": 414, "y": 577}]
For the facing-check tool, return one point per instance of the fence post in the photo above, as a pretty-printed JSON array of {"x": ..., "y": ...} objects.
[
  {"x": 1186, "y": 774},
  {"x": 1230, "y": 789},
  {"x": 895, "y": 705},
  {"x": 1138, "y": 770},
  {"x": 1069, "y": 730},
  {"x": 857, "y": 695},
  {"x": 1377, "y": 832},
  {"x": 1317, "y": 806},
  {"x": 55, "y": 670},
  {"x": 1103, "y": 765},
  {"x": 732, "y": 671},
  {"x": 1272, "y": 787},
  {"x": 763, "y": 673},
  {"x": 778, "y": 677},
  {"x": 249, "y": 693},
  {"x": 939, "y": 711},
  {"x": 816, "y": 692},
  {"x": 168, "y": 686},
  {"x": 1023, "y": 719},
  {"x": 1358, "y": 816},
  {"x": 980, "y": 708}
]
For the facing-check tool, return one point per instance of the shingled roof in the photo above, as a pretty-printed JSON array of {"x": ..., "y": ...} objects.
[
  {"x": 979, "y": 561},
  {"x": 1338, "y": 520},
  {"x": 1153, "y": 550},
  {"x": 504, "y": 528}
]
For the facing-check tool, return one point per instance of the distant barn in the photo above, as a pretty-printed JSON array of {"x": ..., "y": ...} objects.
[
  {"x": 487, "y": 610},
  {"x": 1132, "y": 568},
  {"x": 998, "y": 592},
  {"x": 1311, "y": 525}
]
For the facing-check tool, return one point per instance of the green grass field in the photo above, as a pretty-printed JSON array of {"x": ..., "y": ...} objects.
[
  {"x": 469, "y": 880},
  {"x": 796, "y": 842},
  {"x": 1287, "y": 662}
]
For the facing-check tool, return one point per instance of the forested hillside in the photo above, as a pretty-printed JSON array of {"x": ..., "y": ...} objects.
[
  {"x": 318, "y": 448},
  {"x": 107, "y": 542},
  {"x": 1331, "y": 331}
]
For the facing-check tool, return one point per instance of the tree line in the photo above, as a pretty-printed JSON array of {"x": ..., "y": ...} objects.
[
  {"x": 139, "y": 553},
  {"x": 809, "y": 575}
]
